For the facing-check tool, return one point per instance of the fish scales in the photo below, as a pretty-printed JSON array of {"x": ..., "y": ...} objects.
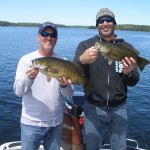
[
  {"x": 115, "y": 51},
  {"x": 57, "y": 68}
]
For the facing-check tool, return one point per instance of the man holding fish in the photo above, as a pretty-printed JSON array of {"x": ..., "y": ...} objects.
[
  {"x": 105, "y": 106},
  {"x": 42, "y": 109}
]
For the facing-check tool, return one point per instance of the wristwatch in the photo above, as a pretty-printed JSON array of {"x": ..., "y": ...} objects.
[
  {"x": 63, "y": 86},
  {"x": 130, "y": 74}
]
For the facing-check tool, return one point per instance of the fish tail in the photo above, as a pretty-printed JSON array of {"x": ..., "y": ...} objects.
[
  {"x": 142, "y": 62},
  {"x": 87, "y": 87}
]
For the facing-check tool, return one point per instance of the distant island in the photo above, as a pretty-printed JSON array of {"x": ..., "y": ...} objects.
[{"x": 129, "y": 27}]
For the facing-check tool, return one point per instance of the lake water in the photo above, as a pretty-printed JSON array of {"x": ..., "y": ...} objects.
[{"x": 17, "y": 41}]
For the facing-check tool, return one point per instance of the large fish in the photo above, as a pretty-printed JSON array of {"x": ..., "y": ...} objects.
[
  {"x": 57, "y": 68},
  {"x": 115, "y": 51}
]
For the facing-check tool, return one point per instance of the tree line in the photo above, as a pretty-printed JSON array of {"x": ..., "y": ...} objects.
[{"x": 129, "y": 27}]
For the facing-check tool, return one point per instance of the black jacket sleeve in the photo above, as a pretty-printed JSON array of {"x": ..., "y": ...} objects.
[{"x": 133, "y": 78}]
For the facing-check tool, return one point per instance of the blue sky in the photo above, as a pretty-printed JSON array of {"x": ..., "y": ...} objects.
[{"x": 74, "y": 12}]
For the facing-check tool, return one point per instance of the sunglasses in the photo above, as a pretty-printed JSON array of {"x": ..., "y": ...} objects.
[
  {"x": 101, "y": 20},
  {"x": 46, "y": 34}
]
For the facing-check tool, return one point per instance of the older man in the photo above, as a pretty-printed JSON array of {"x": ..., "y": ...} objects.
[{"x": 42, "y": 111}]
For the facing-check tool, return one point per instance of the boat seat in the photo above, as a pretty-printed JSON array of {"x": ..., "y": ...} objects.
[{"x": 74, "y": 105}]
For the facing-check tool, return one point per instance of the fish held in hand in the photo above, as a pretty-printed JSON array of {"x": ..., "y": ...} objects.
[
  {"x": 58, "y": 68},
  {"x": 118, "y": 51}
]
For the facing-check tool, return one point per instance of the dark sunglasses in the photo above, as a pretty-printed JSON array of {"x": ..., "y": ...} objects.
[
  {"x": 46, "y": 34},
  {"x": 101, "y": 20}
]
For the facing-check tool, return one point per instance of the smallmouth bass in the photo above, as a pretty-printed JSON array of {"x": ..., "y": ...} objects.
[
  {"x": 58, "y": 68},
  {"x": 118, "y": 51}
]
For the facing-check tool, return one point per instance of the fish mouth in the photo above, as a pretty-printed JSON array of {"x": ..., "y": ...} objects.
[
  {"x": 100, "y": 48},
  {"x": 35, "y": 65},
  {"x": 41, "y": 67}
]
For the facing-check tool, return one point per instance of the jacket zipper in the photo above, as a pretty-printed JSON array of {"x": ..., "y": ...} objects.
[{"x": 108, "y": 78}]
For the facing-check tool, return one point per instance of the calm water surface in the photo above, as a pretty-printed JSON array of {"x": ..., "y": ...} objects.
[{"x": 17, "y": 41}]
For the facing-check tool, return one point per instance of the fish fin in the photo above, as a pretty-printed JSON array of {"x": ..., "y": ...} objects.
[
  {"x": 110, "y": 61},
  {"x": 142, "y": 62},
  {"x": 87, "y": 86},
  {"x": 130, "y": 47}
]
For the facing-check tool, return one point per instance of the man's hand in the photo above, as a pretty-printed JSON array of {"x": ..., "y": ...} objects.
[
  {"x": 32, "y": 73},
  {"x": 89, "y": 56},
  {"x": 64, "y": 81},
  {"x": 128, "y": 64}
]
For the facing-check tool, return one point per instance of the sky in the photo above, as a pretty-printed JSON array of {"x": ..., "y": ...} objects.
[{"x": 74, "y": 12}]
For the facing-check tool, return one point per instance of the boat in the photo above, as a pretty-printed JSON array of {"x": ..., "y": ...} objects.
[
  {"x": 16, "y": 145},
  {"x": 72, "y": 133}
]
